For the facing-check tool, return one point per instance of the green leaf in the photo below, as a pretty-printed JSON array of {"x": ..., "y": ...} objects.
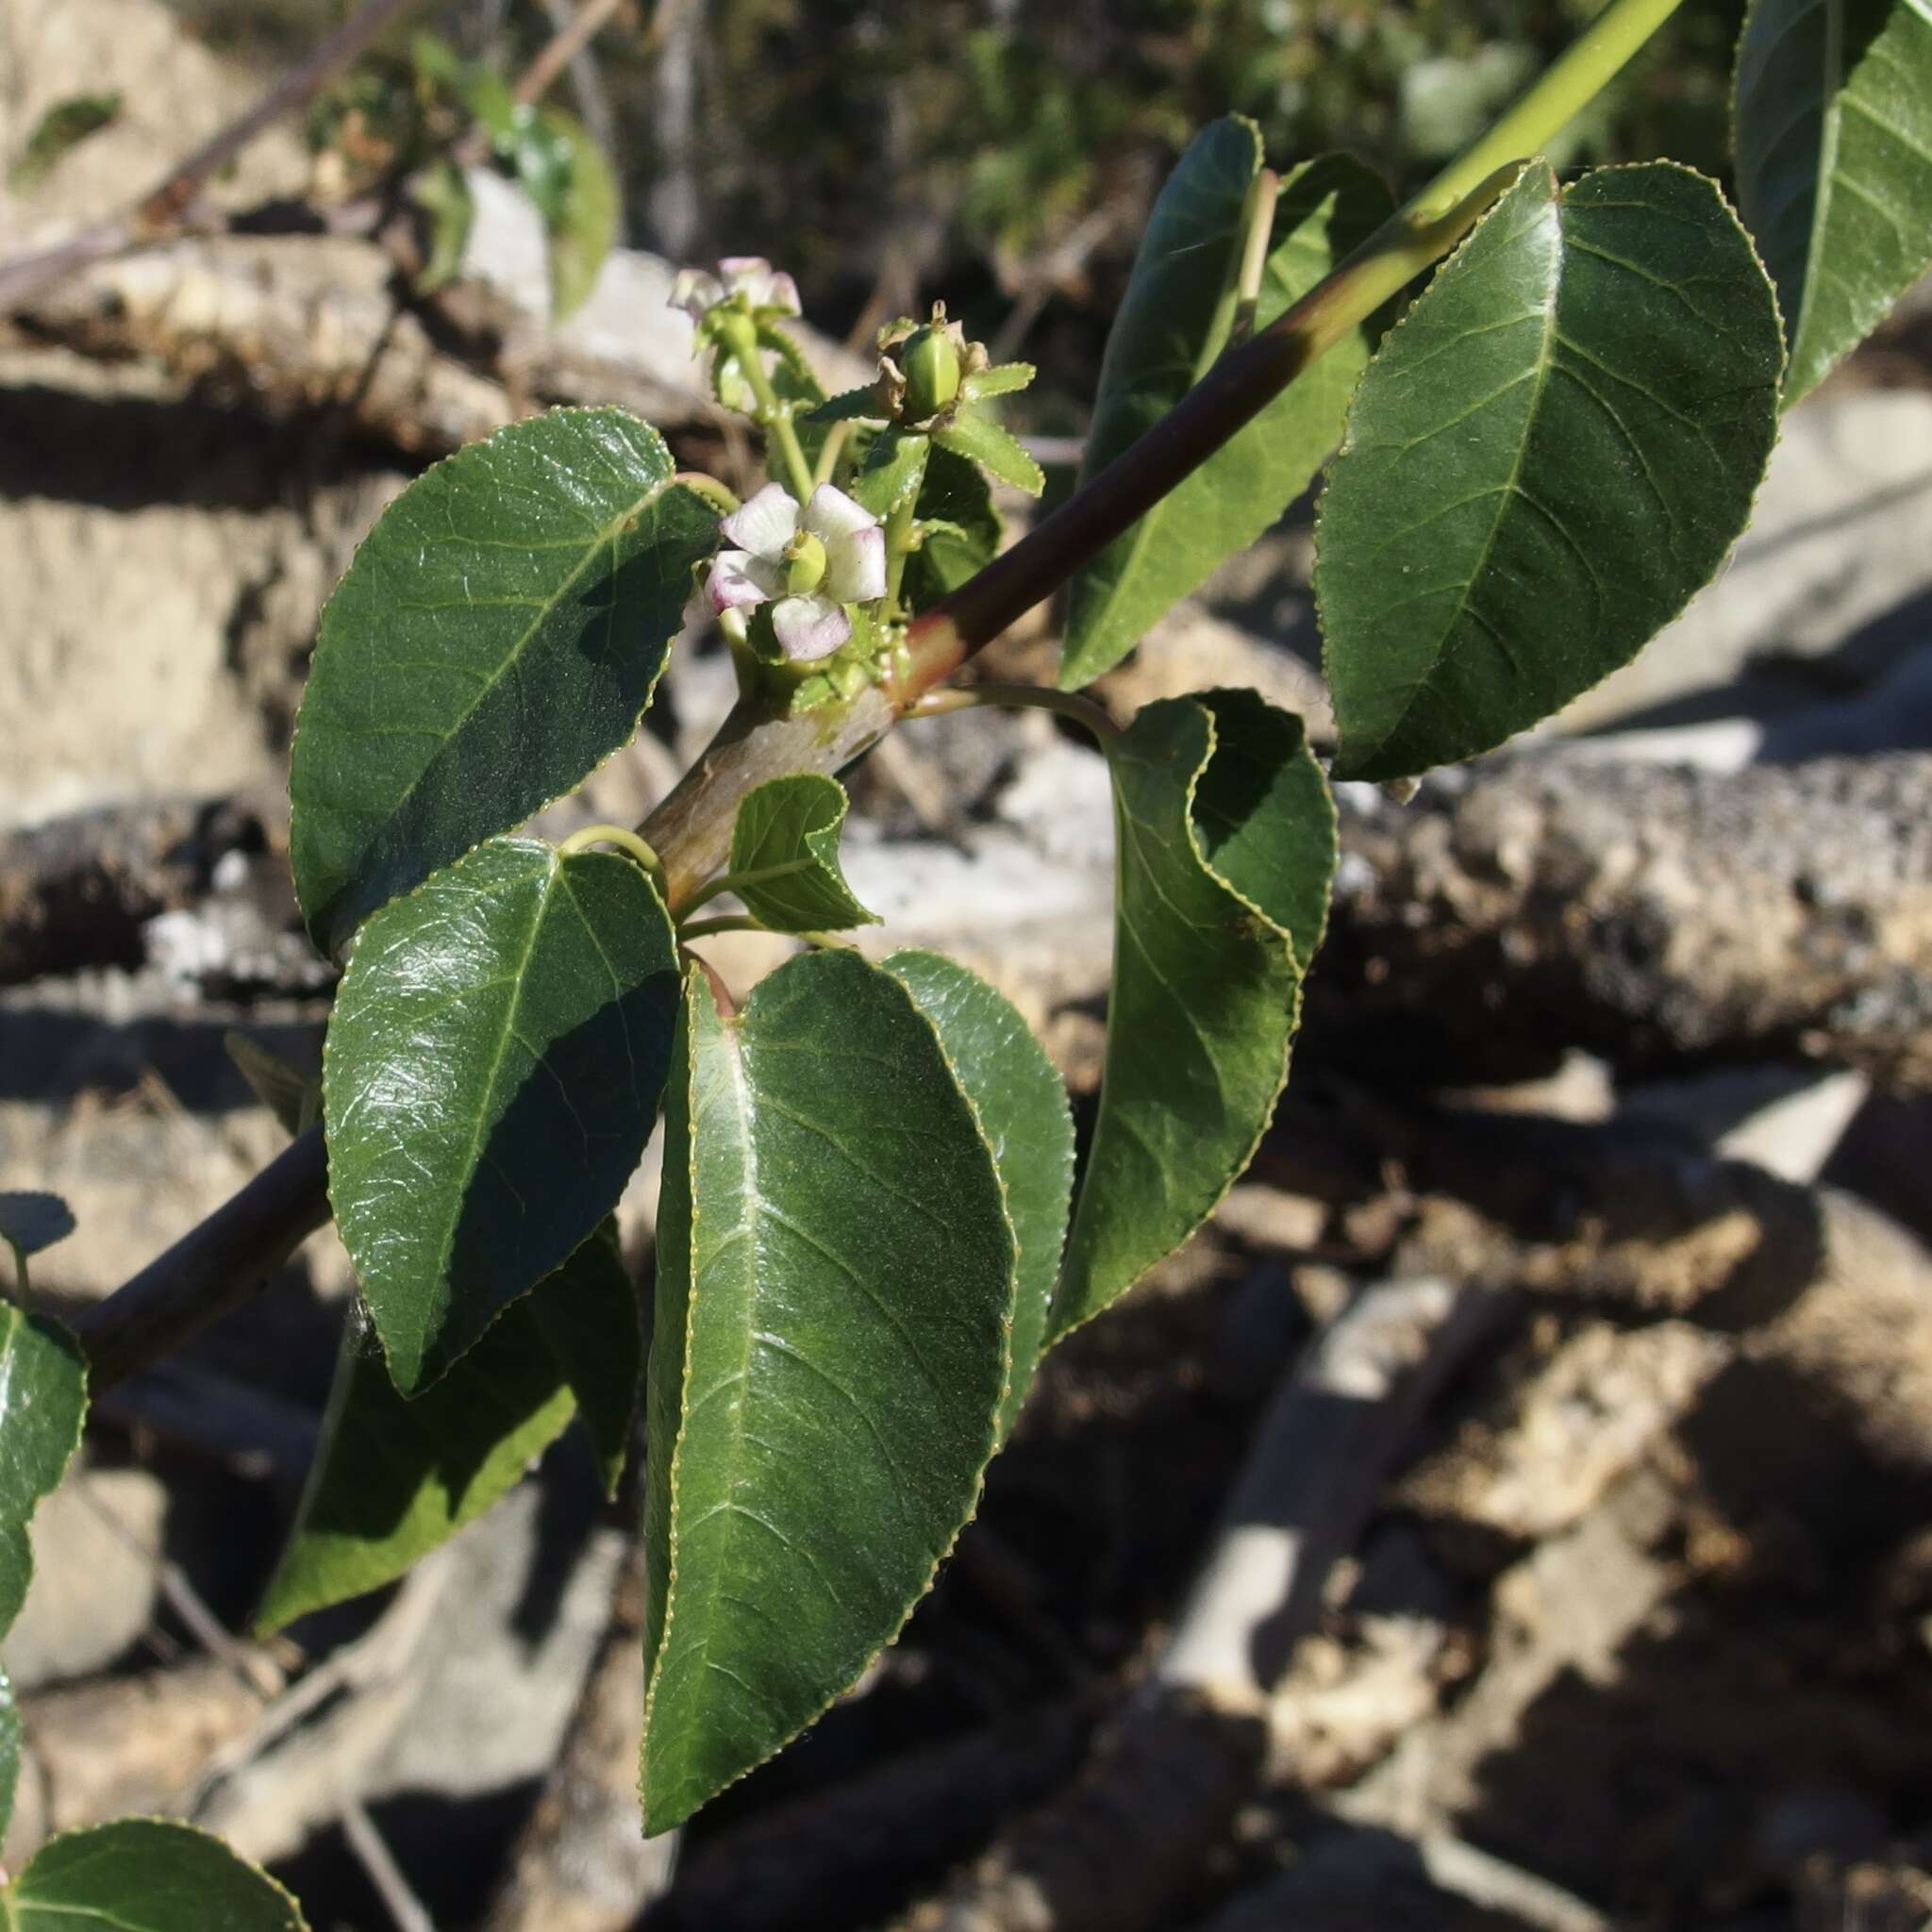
[
  {"x": 1023, "y": 1114},
  {"x": 981, "y": 441},
  {"x": 848, "y": 406},
  {"x": 961, "y": 530},
  {"x": 394, "y": 1477},
  {"x": 564, "y": 171},
  {"x": 785, "y": 855},
  {"x": 1225, "y": 848},
  {"x": 893, "y": 468},
  {"x": 1833, "y": 139},
  {"x": 492, "y": 1071},
  {"x": 10, "y": 1751},
  {"x": 144, "y": 1875},
  {"x": 1000, "y": 379},
  {"x": 1553, "y": 451},
  {"x": 42, "y": 1404},
  {"x": 57, "y": 132},
  {"x": 293, "y": 1097},
  {"x": 31, "y": 1221},
  {"x": 1167, "y": 334},
  {"x": 588, "y": 1317},
  {"x": 835, "y": 1290},
  {"x": 441, "y": 191},
  {"x": 498, "y": 636}
]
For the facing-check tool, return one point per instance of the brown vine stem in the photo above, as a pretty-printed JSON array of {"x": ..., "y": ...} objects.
[
  {"x": 219, "y": 1264},
  {"x": 164, "y": 212}
]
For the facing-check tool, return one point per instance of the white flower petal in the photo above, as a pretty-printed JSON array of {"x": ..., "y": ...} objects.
[
  {"x": 763, "y": 523},
  {"x": 831, "y": 515},
  {"x": 739, "y": 580},
  {"x": 855, "y": 567},
  {"x": 809, "y": 628},
  {"x": 783, "y": 294},
  {"x": 694, "y": 290},
  {"x": 762, "y": 286}
]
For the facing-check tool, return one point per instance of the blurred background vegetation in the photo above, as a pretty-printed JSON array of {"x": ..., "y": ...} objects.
[{"x": 1002, "y": 153}]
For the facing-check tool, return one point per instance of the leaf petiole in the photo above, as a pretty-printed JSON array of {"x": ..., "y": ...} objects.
[
  {"x": 629, "y": 842},
  {"x": 1069, "y": 704}
]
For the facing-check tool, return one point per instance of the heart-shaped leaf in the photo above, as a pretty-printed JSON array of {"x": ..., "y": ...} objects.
[
  {"x": 1225, "y": 848},
  {"x": 492, "y": 1071},
  {"x": 1023, "y": 1114},
  {"x": 1834, "y": 136},
  {"x": 834, "y": 1294},
  {"x": 42, "y": 1404},
  {"x": 497, "y": 636},
  {"x": 1167, "y": 334},
  {"x": 1554, "y": 450},
  {"x": 394, "y": 1477},
  {"x": 144, "y": 1875},
  {"x": 785, "y": 855}
]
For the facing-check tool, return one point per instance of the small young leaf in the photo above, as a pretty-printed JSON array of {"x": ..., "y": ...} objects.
[
  {"x": 1162, "y": 341},
  {"x": 294, "y": 1098},
  {"x": 57, "y": 132},
  {"x": 1225, "y": 841},
  {"x": 848, "y": 406},
  {"x": 394, "y": 1477},
  {"x": 1023, "y": 1113},
  {"x": 30, "y": 1221},
  {"x": 981, "y": 441},
  {"x": 893, "y": 468},
  {"x": 42, "y": 1404},
  {"x": 492, "y": 1071},
  {"x": 498, "y": 636},
  {"x": 144, "y": 1875},
  {"x": 788, "y": 830},
  {"x": 961, "y": 526},
  {"x": 441, "y": 191},
  {"x": 1001, "y": 379},
  {"x": 564, "y": 171},
  {"x": 1551, "y": 452},
  {"x": 1834, "y": 127},
  {"x": 834, "y": 1297}
]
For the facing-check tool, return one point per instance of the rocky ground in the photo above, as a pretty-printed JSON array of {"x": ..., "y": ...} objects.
[{"x": 1604, "y": 1160}]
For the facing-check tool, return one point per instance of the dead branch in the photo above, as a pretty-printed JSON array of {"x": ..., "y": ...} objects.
[
  {"x": 1649, "y": 915},
  {"x": 1120, "y": 1848}
]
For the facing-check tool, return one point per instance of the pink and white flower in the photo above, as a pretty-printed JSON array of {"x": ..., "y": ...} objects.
[
  {"x": 766, "y": 290},
  {"x": 807, "y": 565}
]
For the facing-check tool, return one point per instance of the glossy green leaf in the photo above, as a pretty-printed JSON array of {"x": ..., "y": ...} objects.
[
  {"x": 1225, "y": 848},
  {"x": 42, "y": 1404},
  {"x": 1166, "y": 336},
  {"x": 144, "y": 1875},
  {"x": 57, "y": 132},
  {"x": 981, "y": 441},
  {"x": 834, "y": 1294},
  {"x": 1554, "y": 450},
  {"x": 960, "y": 529},
  {"x": 496, "y": 638},
  {"x": 1023, "y": 1113},
  {"x": 394, "y": 1477},
  {"x": 588, "y": 1317},
  {"x": 10, "y": 1751},
  {"x": 1834, "y": 136},
  {"x": 492, "y": 1071},
  {"x": 564, "y": 171},
  {"x": 785, "y": 855},
  {"x": 33, "y": 1221}
]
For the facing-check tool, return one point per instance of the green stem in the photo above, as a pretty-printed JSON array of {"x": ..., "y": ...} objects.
[
  {"x": 898, "y": 548},
  {"x": 740, "y": 334},
  {"x": 830, "y": 451},
  {"x": 1068, "y": 704},
  {"x": 622, "y": 837},
  {"x": 732, "y": 922}
]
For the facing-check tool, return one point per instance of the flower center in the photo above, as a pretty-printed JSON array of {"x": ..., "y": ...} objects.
[{"x": 805, "y": 565}]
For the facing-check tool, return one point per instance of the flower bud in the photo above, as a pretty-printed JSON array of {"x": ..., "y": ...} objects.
[{"x": 930, "y": 359}]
